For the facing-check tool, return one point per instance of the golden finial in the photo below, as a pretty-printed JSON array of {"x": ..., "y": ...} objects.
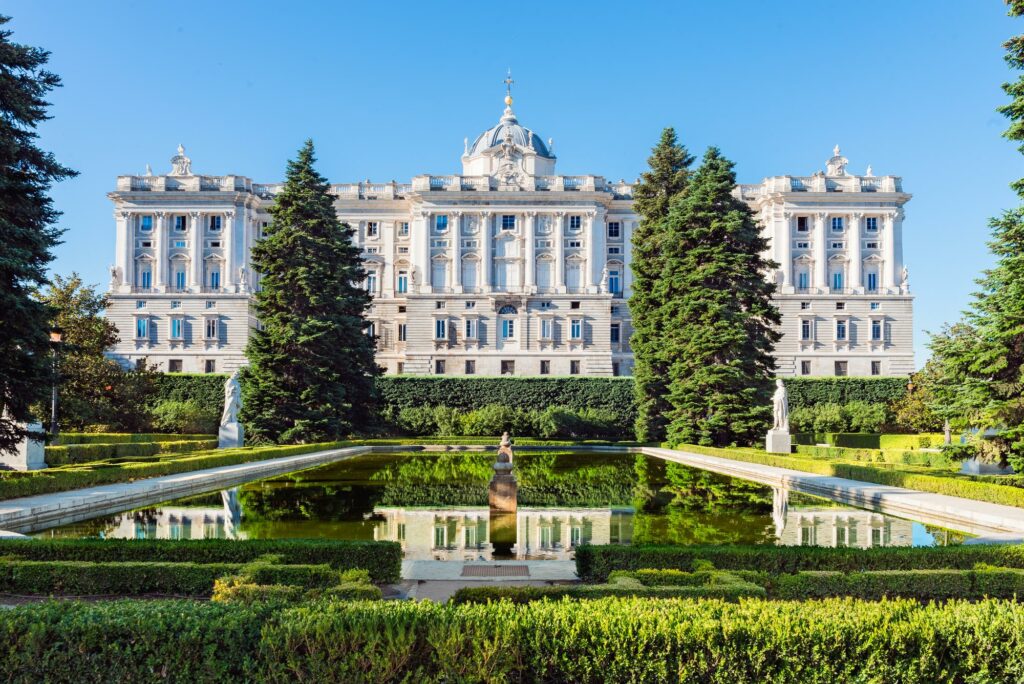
[{"x": 508, "y": 88}]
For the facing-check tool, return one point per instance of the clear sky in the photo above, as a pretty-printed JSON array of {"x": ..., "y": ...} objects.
[{"x": 388, "y": 90}]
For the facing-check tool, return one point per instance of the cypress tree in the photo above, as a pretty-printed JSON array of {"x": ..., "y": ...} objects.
[
  {"x": 987, "y": 366},
  {"x": 668, "y": 171},
  {"x": 312, "y": 363},
  {"x": 718, "y": 316},
  {"x": 27, "y": 234}
]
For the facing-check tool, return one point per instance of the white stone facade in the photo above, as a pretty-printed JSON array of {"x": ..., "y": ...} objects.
[{"x": 507, "y": 268}]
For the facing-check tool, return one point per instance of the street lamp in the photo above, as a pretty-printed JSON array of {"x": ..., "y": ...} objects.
[{"x": 55, "y": 340}]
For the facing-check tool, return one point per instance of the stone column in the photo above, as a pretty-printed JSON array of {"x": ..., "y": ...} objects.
[
  {"x": 597, "y": 237},
  {"x": 529, "y": 252},
  {"x": 559, "y": 251},
  {"x": 125, "y": 258},
  {"x": 421, "y": 252},
  {"x": 486, "y": 257},
  {"x": 195, "y": 252},
  {"x": 160, "y": 266},
  {"x": 456, "y": 251},
  {"x": 590, "y": 231},
  {"x": 854, "y": 252},
  {"x": 820, "y": 260},
  {"x": 387, "y": 274},
  {"x": 627, "y": 258},
  {"x": 227, "y": 279},
  {"x": 889, "y": 252},
  {"x": 783, "y": 248},
  {"x": 897, "y": 247}
]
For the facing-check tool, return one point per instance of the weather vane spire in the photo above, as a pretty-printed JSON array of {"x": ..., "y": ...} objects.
[{"x": 508, "y": 88}]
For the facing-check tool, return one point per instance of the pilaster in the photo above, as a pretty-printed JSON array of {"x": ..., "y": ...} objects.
[
  {"x": 560, "y": 252},
  {"x": 486, "y": 252},
  {"x": 529, "y": 252},
  {"x": 455, "y": 230},
  {"x": 784, "y": 249},
  {"x": 195, "y": 252},
  {"x": 161, "y": 239},
  {"x": 854, "y": 251},
  {"x": 227, "y": 278},
  {"x": 820, "y": 258}
]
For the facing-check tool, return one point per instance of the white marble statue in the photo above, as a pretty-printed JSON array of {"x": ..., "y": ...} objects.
[
  {"x": 780, "y": 407},
  {"x": 243, "y": 279},
  {"x": 603, "y": 287},
  {"x": 232, "y": 400},
  {"x": 115, "y": 276}
]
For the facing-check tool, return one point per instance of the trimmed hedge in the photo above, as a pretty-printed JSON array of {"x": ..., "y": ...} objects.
[
  {"x": 383, "y": 560},
  {"x": 610, "y": 640},
  {"x": 812, "y": 391},
  {"x": 26, "y": 483},
  {"x": 596, "y": 563},
  {"x": 870, "y": 440},
  {"x": 924, "y": 480},
  {"x": 923, "y": 585},
  {"x": 77, "y": 578},
  {"x": 66, "y": 438},
  {"x": 726, "y": 587},
  {"x": 915, "y": 457},
  {"x": 85, "y": 453}
]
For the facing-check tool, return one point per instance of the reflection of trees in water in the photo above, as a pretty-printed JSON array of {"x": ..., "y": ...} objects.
[
  {"x": 698, "y": 488},
  {"x": 944, "y": 537},
  {"x": 308, "y": 502},
  {"x": 692, "y": 525}
]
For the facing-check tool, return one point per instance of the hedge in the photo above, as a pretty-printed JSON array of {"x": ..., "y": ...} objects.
[
  {"x": 718, "y": 585},
  {"x": 26, "y": 483},
  {"x": 610, "y": 640},
  {"x": 66, "y": 438},
  {"x": 595, "y": 563},
  {"x": 870, "y": 440},
  {"x": 383, "y": 560},
  {"x": 923, "y": 585},
  {"x": 915, "y": 457},
  {"x": 812, "y": 391},
  {"x": 86, "y": 452},
  {"x": 76, "y": 578},
  {"x": 949, "y": 483}
]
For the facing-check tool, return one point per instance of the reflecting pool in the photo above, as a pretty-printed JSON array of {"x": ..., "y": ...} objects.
[{"x": 436, "y": 506}]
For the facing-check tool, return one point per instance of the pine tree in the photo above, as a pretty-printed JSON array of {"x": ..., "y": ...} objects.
[
  {"x": 27, "y": 234},
  {"x": 719, "y": 322},
  {"x": 669, "y": 168},
  {"x": 312, "y": 364}
]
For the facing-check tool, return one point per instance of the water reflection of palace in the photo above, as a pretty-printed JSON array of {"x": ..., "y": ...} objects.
[
  {"x": 838, "y": 527},
  {"x": 180, "y": 522},
  {"x": 463, "y": 533}
]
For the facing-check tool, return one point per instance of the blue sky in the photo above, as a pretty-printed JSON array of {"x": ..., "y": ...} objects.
[{"x": 389, "y": 90}]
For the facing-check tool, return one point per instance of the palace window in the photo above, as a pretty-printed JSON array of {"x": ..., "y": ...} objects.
[
  {"x": 614, "y": 282},
  {"x": 439, "y": 367},
  {"x": 574, "y": 305},
  {"x": 371, "y": 250},
  {"x": 403, "y": 229},
  {"x": 616, "y": 372},
  {"x": 508, "y": 222},
  {"x": 212, "y": 323},
  {"x": 574, "y": 367},
  {"x": 838, "y": 245},
  {"x": 545, "y": 329},
  {"x": 214, "y": 244},
  {"x": 837, "y": 224},
  {"x": 399, "y": 368},
  {"x": 179, "y": 280},
  {"x": 805, "y": 368},
  {"x": 175, "y": 303},
  {"x": 372, "y": 229},
  {"x": 209, "y": 366},
  {"x": 440, "y": 329},
  {"x": 145, "y": 244},
  {"x": 615, "y": 332},
  {"x": 876, "y": 330},
  {"x": 371, "y": 329},
  {"x": 545, "y": 367},
  {"x": 141, "y": 328},
  {"x": 837, "y": 280},
  {"x": 575, "y": 222},
  {"x": 801, "y": 224},
  {"x": 803, "y": 245},
  {"x": 804, "y": 306},
  {"x": 441, "y": 223},
  {"x": 803, "y": 280},
  {"x": 215, "y": 278},
  {"x": 470, "y": 368},
  {"x": 508, "y": 367},
  {"x": 840, "y": 369},
  {"x": 871, "y": 245},
  {"x": 614, "y": 250},
  {"x": 215, "y": 223},
  {"x": 576, "y": 329},
  {"x": 140, "y": 304},
  {"x": 840, "y": 306},
  {"x": 174, "y": 365},
  {"x": 471, "y": 328},
  {"x": 179, "y": 223},
  {"x": 574, "y": 243},
  {"x": 872, "y": 282},
  {"x": 439, "y": 304},
  {"x": 403, "y": 250},
  {"x": 806, "y": 329},
  {"x": 371, "y": 282},
  {"x": 470, "y": 305},
  {"x": 508, "y": 329},
  {"x": 403, "y": 282},
  {"x": 875, "y": 306},
  {"x": 401, "y": 332},
  {"x": 545, "y": 305},
  {"x": 876, "y": 367},
  {"x": 146, "y": 224},
  {"x": 871, "y": 224},
  {"x": 614, "y": 229},
  {"x": 211, "y": 304},
  {"x": 841, "y": 330},
  {"x": 179, "y": 244},
  {"x": 177, "y": 328},
  {"x": 146, "y": 279}
]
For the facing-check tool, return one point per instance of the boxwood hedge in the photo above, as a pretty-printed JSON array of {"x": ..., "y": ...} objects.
[
  {"x": 96, "y": 451},
  {"x": 608, "y": 640},
  {"x": 383, "y": 560}
]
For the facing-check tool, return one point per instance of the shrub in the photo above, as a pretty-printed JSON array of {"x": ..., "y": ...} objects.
[
  {"x": 828, "y": 390},
  {"x": 494, "y": 419},
  {"x": 595, "y": 563},
  {"x": 864, "y": 417},
  {"x": 829, "y": 418},
  {"x": 348, "y": 591},
  {"x": 185, "y": 416},
  {"x": 381, "y": 561},
  {"x": 801, "y": 419},
  {"x": 66, "y": 438},
  {"x": 923, "y": 585},
  {"x": 84, "y": 453},
  {"x": 233, "y": 590},
  {"x": 417, "y": 420},
  {"x": 727, "y": 588}
]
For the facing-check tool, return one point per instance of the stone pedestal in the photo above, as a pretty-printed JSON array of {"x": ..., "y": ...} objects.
[
  {"x": 778, "y": 442},
  {"x": 502, "y": 529},
  {"x": 231, "y": 435},
  {"x": 30, "y": 453},
  {"x": 502, "y": 493}
]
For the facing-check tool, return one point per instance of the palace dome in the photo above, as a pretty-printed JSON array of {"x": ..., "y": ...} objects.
[{"x": 509, "y": 125}]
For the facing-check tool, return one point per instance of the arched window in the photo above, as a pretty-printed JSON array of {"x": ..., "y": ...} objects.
[{"x": 508, "y": 310}]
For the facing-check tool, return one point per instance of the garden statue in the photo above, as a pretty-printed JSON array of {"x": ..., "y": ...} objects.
[
  {"x": 778, "y": 440},
  {"x": 115, "y": 277},
  {"x": 231, "y": 433}
]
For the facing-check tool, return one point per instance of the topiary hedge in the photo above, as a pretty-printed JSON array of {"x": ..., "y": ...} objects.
[
  {"x": 923, "y": 585},
  {"x": 84, "y": 453},
  {"x": 383, "y": 560},
  {"x": 873, "y": 390},
  {"x": 596, "y": 563},
  {"x": 67, "y": 438},
  {"x": 609, "y": 640}
]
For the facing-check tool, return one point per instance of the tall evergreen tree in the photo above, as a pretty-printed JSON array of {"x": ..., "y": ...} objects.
[
  {"x": 666, "y": 177},
  {"x": 988, "y": 366},
  {"x": 312, "y": 364},
  {"x": 719, "y": 322},
  {"x": 27, "y": 233}
]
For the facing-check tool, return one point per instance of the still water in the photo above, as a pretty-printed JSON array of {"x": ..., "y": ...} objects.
[{"x": 435, "y": 505}]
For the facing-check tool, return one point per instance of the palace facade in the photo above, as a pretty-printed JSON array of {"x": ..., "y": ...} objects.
[{"x": 507, "y": 268}]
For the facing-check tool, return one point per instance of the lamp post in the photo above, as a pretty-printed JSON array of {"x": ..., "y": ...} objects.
[{"x": 55, "y": 340}]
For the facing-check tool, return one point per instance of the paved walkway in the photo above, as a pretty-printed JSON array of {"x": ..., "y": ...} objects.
[
  {"x": 955, "y": 513},
  {"x": 32, "y": 513},
  {"x": 543, "y": 570}
]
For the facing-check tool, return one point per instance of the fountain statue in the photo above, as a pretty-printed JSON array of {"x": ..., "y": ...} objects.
[
  {"x": 778, "y": 439},
  {"x": 231, "y": 433}
]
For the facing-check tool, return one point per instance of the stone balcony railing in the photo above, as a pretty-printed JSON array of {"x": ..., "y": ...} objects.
[
  {"x": 426, "y": 183},
  {"x": 184, "y": 184},
  {"x": 847, "y": 184}
]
